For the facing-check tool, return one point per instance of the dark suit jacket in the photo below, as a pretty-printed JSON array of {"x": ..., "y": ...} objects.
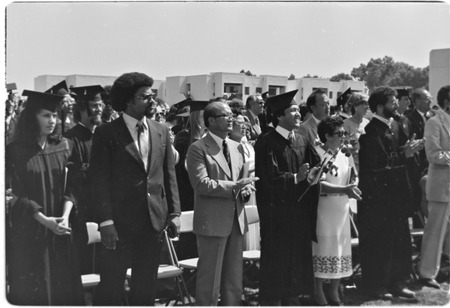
[
  {"x": 124, "y": 191},
  {"x": 414, "y": 123}
]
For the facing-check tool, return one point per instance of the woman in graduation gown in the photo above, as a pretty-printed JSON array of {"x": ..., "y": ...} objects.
[{"x": 42, "y": 266}]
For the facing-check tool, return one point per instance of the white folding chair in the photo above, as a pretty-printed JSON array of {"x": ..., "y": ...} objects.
[
  {"x": 187, "y": 225},
  {"x": 93, "y": 279},
  {"x": 173, "y": 270}
]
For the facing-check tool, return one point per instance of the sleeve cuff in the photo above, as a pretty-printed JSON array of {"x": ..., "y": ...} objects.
[{"x": 107, "y": 223}]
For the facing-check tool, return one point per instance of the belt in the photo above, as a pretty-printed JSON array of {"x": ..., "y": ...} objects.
[{"x": 331, "y": 195}]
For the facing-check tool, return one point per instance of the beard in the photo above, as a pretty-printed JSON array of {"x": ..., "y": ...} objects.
[
  {"x": 96, "y": 120},
  {"x": 388, "y": 113}
]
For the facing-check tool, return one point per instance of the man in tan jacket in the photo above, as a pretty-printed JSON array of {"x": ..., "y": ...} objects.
[{"x": 436, "y": 235}]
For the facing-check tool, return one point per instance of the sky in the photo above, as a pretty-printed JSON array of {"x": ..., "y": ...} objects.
[{"x": 165, "y": 39}]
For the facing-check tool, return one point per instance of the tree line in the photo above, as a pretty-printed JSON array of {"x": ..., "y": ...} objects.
[{"x": 377, "y": 72}]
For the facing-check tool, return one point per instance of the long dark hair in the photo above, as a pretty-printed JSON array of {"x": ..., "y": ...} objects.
[{"x": 28, "y": 129}]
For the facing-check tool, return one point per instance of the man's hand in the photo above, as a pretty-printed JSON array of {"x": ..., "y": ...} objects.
[
  {"x": 314, "y": 175},
  {"x": 412, "y": 146},
  {"x": 109, "y": 236},
  {"x": 353, "y": 191},
  {"x": 174, "y": 226},
  {"x": 247, "y": 191},
  {"x": 244, "y": 182},
  {"x": 302, "y": 172}
]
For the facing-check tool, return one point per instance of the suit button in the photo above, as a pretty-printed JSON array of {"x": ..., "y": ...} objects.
[{"x": 148, "y": 194}]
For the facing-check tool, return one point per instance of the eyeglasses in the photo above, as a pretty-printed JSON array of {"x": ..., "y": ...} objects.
[
  {"x": 340, "y": 133},
  {"x": 146, "y": 97},
  {"x": 160, "y": 114},
  {"x": 226, "y": 115}
]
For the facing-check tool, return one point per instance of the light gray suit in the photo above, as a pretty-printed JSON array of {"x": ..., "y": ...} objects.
[
  {"x": 308, "y": 129},
  {"x": 436, "y": 235},
  {"x": 219, "y": 221}
]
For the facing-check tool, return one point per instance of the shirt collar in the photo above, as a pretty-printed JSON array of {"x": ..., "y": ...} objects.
[
  {"x": 217, "y": 139},
  {"x": 283, "y": 131},
  {"x": 315, "y": 119},
  {"x": 422, "y": 114},
  {"x": 385, "y": 121},
  {"x": 254, "y": 116},
  {"x": 131, "y": 122}
]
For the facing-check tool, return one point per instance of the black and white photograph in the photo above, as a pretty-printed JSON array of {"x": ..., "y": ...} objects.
[{"x": 226, "y": 153}]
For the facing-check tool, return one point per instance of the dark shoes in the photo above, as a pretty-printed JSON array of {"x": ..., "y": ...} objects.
[
  {"x": 401, "y": 290},
  {"x": 429, "y": 282},
  {"x": 379, "y": 293}
]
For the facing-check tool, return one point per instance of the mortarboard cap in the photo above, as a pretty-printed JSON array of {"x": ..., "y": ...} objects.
[
  {"x": 342, "y": 99},
  {"x": 182, "y": 104},
  {"x": 184, "y": 112},
  {"x": 60, "y": 89},
  {"x": 41, "y": 100},
  {"x": 402, "y": 92},
  {"x": 281, "y": 101},
  {"x": 198, "y": 105},
  {"x": 11, "y": 87},
  {"x": 88, "y": 93}
]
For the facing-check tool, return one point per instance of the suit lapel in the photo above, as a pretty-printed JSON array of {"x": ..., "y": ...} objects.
[
  {"x": 234, "y": 156},
  {"x": 214, "y": 150},
  {"x": 124, "y": 137}
]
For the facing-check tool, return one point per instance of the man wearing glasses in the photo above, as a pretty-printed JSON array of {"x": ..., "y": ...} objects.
[
  {"x": 215, "y": 164},
  {"x": 135, "y": 193}
]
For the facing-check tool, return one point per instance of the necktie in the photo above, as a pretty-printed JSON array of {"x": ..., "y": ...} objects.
[
  {"x": 142, "y": 142},
  {"x": 291, "y": 138},
  {"x": 257, "y": 126},
  {"x": 226, "y": 152}
]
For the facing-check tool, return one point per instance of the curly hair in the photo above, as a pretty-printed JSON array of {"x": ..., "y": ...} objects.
[
  {"x": 327, "y": 127},
  {"x": 125, "y": 87},
  {"x": 28, "y": 129},
  {"x": 380, "y": 96}
]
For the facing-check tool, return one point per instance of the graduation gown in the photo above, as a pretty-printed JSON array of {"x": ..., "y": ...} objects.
[
  {"x": 187, "y": 245},
  {"x": 287, "y": 226},
  {"x": 81, "y": 138},
  {"x": 384, "y": 237},
  {"x": 37, "y": 177}
]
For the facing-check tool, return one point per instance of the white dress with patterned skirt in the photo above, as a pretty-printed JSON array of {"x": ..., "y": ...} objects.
[{"x": 332, "y": 255}]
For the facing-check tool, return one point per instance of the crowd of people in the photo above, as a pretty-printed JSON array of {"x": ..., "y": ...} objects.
[{"x": 122, "y": 158}]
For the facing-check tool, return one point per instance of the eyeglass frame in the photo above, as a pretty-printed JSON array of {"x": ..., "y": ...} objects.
[
  {"x": 229, "y": 116},
  {"x": 146, "y": 97},
  {"x": 341, "y": 133}
]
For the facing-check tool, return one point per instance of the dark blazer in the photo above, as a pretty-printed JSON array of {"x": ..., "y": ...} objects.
[{"x": 124, "y": 191}]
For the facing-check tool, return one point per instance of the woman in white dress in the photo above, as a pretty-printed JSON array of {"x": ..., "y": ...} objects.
[
  {"x": 239, "y": 134},
  {"x": 332, "y": 257}
]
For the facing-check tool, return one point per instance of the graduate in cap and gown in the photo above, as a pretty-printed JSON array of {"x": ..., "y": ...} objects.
[
  {"x": 88, "y": 113},
  {"x": 67, "y": 103},
  {"x": 41, "y": 266},
  {"x": 283, "y": 163}
]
